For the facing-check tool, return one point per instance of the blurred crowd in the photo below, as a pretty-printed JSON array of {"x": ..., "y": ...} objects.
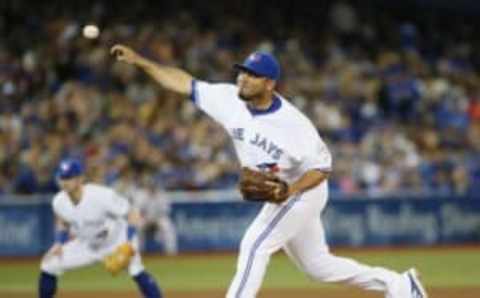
[{"x": 397, "y": 101}]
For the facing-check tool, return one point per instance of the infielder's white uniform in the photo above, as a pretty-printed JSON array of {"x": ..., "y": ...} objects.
[
  {"x": 155, "y": 208},
  {"x": 98, "y": 224},
  {"x": 283, "y": 138}
]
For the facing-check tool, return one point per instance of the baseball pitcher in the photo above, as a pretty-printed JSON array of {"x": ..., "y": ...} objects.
[{"x": 285, "y": 165}]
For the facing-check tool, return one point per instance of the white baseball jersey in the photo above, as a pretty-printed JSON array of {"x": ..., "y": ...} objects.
[
  {"x": 98, "y": 218},
  {"x": 280, "y": 138},
  {"x": 151, "y": 203},
  {"x": 99, "y": 225}
]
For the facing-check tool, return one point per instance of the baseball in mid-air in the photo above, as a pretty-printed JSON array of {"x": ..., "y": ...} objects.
[{"x": 91, "y": 31}]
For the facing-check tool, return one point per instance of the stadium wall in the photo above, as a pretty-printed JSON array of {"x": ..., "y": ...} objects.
[{"x": 26, "y": 226}]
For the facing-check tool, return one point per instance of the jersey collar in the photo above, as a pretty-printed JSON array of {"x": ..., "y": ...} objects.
[{"x": 275, "y": 106}]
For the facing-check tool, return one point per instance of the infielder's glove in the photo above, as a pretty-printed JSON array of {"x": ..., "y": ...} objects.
[
  {"x": 262, "y": 187},
  {"x": 119, "y": 259}
]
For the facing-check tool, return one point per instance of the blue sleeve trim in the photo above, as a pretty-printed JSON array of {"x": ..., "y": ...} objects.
[
  {"x": 61, "y": 236},
  {"x": 194, "y": 92},
  {"x": 131, "y": 232}
]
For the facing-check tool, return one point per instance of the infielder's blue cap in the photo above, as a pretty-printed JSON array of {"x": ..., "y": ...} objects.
[
  {"x": 261, "y": 64},
  {"x": 69, "y": 168}
]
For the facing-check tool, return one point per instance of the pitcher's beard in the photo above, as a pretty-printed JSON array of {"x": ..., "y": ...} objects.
[
  {"x": 248, "y": 97},
  {"x": 244, "y": 98}
]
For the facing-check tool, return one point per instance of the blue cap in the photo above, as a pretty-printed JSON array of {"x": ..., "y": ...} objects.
[
  {"x": 262, "y": 64},
  {"x": 69, "y": 168}
]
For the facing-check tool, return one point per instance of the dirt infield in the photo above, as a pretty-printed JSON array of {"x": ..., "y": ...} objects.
[{"x": 472, "y": 292}]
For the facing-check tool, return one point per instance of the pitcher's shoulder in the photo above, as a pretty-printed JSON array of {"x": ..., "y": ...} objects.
[{"x": 295, "y": 117}]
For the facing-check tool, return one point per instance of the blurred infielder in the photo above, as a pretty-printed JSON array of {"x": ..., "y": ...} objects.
[
  {"x": 286, "y": 164},
  {"x": 155, "y": 208},
  {"x": 103, "y": 228}
]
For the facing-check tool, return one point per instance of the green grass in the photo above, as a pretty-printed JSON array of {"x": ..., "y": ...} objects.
[{"x": 442, "y": 268}]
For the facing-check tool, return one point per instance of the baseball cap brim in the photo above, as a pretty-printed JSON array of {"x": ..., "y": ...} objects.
[
  {"x": 67, "y": 176},
  {"x": 241, "y": 67}
]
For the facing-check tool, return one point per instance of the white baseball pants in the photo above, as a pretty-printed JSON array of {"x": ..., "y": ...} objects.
[
  {"x": 295, "y": 226},
  {"x": 77, "y": 254}
]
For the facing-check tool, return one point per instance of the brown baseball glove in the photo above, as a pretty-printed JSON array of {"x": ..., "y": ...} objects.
[
  {"x": 262, "y": 187},
  {"x": 119, "y": 259}
]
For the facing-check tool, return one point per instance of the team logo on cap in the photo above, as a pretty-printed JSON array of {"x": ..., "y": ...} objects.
[
  {"x": 254, "y": 57},
  {"x": 65, "y": 167}
]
